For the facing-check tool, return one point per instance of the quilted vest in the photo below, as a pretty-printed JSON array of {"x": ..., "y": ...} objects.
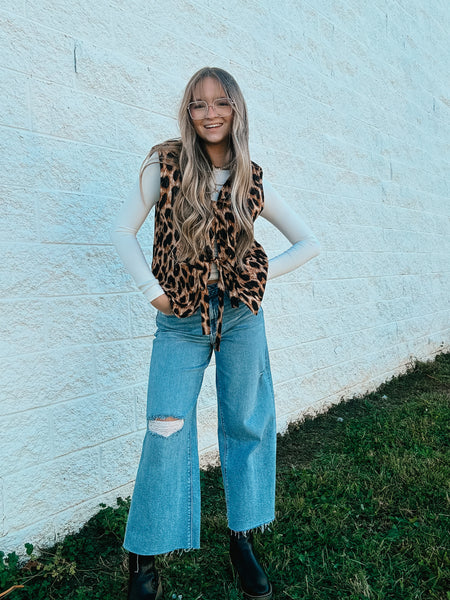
[{"x": 186, "y": 283}]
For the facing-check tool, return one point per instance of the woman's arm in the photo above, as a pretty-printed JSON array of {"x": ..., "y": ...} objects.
[
  {"x": 130, "y": 218},
  {"x": 305, "y": 245}
]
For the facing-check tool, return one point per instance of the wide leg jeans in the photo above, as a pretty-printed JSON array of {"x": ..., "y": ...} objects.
[{"x": 165, "y": 508}]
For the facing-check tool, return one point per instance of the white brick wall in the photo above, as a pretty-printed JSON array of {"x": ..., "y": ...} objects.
[{"x": 350, "y": 120}]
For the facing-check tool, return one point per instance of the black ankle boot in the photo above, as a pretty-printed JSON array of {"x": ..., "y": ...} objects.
[
  {"x": 254, "y": 582},
  {"x": 144, "y": 583}
]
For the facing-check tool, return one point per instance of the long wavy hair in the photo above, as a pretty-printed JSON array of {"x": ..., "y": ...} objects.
[{"x": 192, "y": 211}]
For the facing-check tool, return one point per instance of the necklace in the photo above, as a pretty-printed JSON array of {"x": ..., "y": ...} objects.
[
  {"x": 219, "y": 179},
  {"x": 217, "y": 188},
  {"x": 226, "y": 165}
]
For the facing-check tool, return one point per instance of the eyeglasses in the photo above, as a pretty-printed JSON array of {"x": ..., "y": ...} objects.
[{"x": 223, "y": 107}]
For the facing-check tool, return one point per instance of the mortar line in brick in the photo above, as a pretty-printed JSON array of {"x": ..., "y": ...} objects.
[
  {"x": 430, "y": 15},
  {"x": 345, "y": 143},
  {"x": 36, "y": 189},
  {"x": 88, "y": 94},
  {"x": 31, "y": 297},
  {"x": 61, "y": 457},
  {"x": 316, "y": 370},
  {"x": 367, "y": 74},
  {"x": 347, "y": 170},
  {"x": 342, "y": 336},
  {"x": 88, "y": 502},
  {"x": 59, "y": 402},
  {"x": 306, "y": 161},
  {"x": 75, "y": 398},
  {"x": 74, "y": 142},
  {"x": 304, "y": 411},
  {"x": 50, "y": 349},
  {"x": 100, "y": 444}
]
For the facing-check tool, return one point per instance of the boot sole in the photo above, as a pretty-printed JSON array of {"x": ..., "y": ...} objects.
[{"x": 266, "y": 596}]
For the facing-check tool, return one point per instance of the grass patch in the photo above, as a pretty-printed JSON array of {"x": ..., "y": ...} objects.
[{"x": 362, "y": 513}]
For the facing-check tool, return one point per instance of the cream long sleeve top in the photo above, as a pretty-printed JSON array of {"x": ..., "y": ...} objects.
[{"x": 134, "y": 211}]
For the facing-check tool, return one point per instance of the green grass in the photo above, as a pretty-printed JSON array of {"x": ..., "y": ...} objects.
[{"x": 362, "y": 513}]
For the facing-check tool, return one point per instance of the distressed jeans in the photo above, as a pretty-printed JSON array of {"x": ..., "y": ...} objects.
[{"x": 165, "y": 507}]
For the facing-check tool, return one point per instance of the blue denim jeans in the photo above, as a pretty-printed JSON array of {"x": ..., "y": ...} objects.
[{"x": 165, "y": 508}]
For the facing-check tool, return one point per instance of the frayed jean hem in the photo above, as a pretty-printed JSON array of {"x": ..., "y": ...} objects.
[{"x": 258, "y": 528}]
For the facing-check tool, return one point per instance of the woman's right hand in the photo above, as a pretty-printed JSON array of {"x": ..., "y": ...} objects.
[{"x": 162, "y": 303}]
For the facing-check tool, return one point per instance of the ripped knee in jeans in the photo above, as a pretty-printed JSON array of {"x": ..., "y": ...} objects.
[{"x": 165, "y": 426}]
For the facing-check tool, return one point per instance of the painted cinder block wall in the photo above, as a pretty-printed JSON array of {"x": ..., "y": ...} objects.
[{"x": 349, "y": 114}]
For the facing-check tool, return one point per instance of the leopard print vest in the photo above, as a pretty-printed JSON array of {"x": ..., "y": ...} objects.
[{"x": 186, "y": 283}]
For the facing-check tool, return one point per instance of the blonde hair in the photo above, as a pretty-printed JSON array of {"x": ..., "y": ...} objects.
[{"x": 192, "y": 211}]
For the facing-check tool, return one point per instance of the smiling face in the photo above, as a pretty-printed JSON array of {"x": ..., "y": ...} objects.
[{"x": 213, "y": 130}]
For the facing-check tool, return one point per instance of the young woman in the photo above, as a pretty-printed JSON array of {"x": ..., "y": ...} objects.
[{"x": 207, "y": 281}]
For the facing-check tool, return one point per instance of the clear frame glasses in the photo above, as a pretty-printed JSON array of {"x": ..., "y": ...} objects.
[{"x": 223, "y": 107}]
